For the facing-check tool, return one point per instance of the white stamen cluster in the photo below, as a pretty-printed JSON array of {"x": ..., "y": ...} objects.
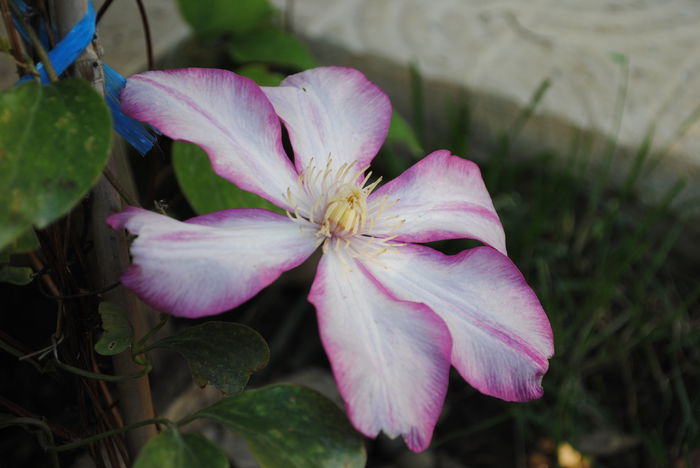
[{"x": 333, "y": 200}]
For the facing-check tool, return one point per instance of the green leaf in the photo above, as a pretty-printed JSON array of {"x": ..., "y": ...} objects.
[
  {"x": 13, "y": 274},
  {"x": 118, "y": 333},
  {"x": 269, "y": 44},
  {"x": 170, "y": 449},
  {"x": 261, "y": 74},
  {"x": 222, "y": 353},
  {"x": 216, "y": 17},
  {"x": 206, "y": 191},
  {"x": 25, "y": 242},
  {"x": 288, "y": 426},
  {"x": 401, "y": 132},
  {"x": 54, "y": 143}
]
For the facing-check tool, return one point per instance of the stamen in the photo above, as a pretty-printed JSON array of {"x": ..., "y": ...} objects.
[{"x": 334, "y": 201}]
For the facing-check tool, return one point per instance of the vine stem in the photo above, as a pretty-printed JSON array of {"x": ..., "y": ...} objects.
[
  {"x": 113, "y": 432},
  {"x": 8, "y": 348},
  {"x": 46, "y": 430},
  {"x": 105, "y": 377}
]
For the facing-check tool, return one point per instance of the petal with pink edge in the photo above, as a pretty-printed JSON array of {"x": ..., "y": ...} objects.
[
  {"x": 501, "y": 337},
  {"x": 440, "y": 197},
  {"x": 390, "y": 358},
  {"x": 332, "y": 111},
  {"x": 226, "y": 114},
  {"x": 210, "y": 263}
]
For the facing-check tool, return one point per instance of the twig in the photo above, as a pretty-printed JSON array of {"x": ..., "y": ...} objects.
[
  {"x": 108, "y": 397},
  {"x": 14, "y": 38},
  {"x": 146, "y": 33},
  {"x": 20, "y": 355},
  {"x": 43, "y": 352},
  {"x": 36, "y": 43},
  {"x": 45, "y": 15},
  {"x": 103, "y": 9},
  {"x": 39, "y": 267}
]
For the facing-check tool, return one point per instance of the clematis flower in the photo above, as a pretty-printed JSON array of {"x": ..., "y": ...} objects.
[{"x": 393, "y": 315}]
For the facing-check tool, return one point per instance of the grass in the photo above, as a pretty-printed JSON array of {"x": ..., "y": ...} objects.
[{"x": 622, "y": 296}]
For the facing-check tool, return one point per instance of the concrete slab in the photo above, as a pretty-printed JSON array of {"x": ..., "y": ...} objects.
[
  {"x": 494, "y": 55},
  {"x": 497, "y": 53}
]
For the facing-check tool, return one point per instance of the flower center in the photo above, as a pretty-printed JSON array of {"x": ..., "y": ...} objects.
[
  {"x": 332, "y": 201},
  {"x": 346, "y": 212}
]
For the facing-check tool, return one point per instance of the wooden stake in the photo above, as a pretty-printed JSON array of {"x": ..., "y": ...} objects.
[{"x": 111, "y": 254}]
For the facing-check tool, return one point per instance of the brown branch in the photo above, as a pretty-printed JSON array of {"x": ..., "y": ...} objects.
[
  {"x": 14, "y": 38},
  {"x": 39, "y": 267}
]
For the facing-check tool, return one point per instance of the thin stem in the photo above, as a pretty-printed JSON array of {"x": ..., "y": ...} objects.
[
  {"x": 187, "y": 420},
  {"x": 45, "y": 429},
  {"x": 75, "y": 370},
  {"x": 19, "y": 354},
  {"x": 146, "y": 33},
  {"x": 103, "y": 9},
  {"x": 14, "y": 38},
  {"x": 139, "y": 348},
  {"x": 39, "y": 267},
  {"x": 36, "y": 42},
  {"x": 113, "y": 432},
  {"x": 108, "y": 378}
]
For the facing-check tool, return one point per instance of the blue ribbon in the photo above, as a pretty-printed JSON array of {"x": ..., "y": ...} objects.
[
  {"x": 67, "y": 51},
  {"x": 130, "y": 129}
]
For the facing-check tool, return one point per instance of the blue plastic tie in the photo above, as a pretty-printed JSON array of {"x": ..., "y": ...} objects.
[
  {"x": 70, "y": 47},
  {"x": 67, "y": 51},
  {"x": 130, "y": 129}
]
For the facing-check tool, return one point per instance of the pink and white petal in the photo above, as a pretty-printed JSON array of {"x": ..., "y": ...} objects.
[
  {"x": 332, "y": 111},
  {"x": 226, "y": 114},
  {"x": 440, "y": 197},
  {"x": 211, "y": 263},
  {"x": 501, "y": 337},
  {"x": 390, "y": 358}
]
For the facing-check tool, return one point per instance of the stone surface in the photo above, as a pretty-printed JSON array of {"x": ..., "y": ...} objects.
[
  {"x": 497, "y": 53},
  {"x": 493, "y": 56}
]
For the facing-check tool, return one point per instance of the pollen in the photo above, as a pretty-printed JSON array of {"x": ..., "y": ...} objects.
[
  {"x": 334, "y": 199},
  {"x": 346, "y": 212}
]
